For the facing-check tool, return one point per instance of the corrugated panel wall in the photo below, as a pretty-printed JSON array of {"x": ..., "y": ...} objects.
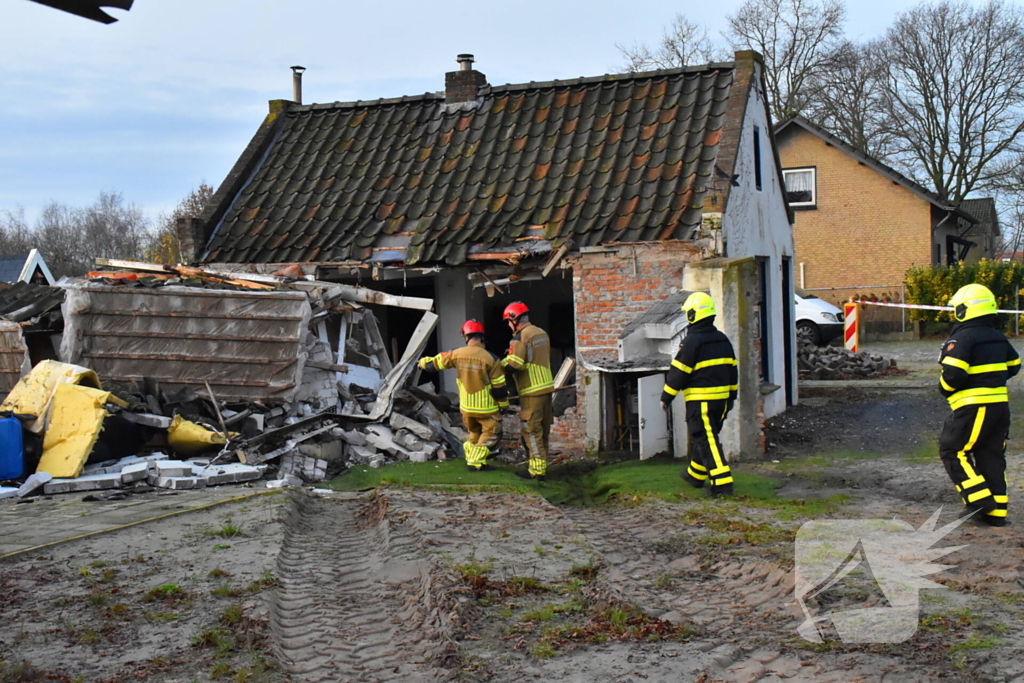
[
  {"x": 12, "y": 356},
  {"x": 247, "y": 345}
]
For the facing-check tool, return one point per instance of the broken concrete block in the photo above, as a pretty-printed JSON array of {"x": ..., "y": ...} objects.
[
  {"x": 378, "y": 461},
  {"x": 90, "y": 482},
  {"x": 175, "y": 483},
  {"x": 285, "y": 482},
  {"x": 362, "y": 454},
  {"x": 135, "y": 472},
  {"x": 419, "y": 456},
  {"x": 105, "y": 467},
  {"x": 408, "y": 440},
  {"x": 8, "y": 492},
  {"x": 148, "y": 420},
  {"x": 382, "y": 438},
  {"x": 229, "y": 473},
  {"x": 324, "y": 450},
  {"x": 172, "y": 468},
  {"x": 399, "y": 421},
  {"x": 349, "y": 436}
]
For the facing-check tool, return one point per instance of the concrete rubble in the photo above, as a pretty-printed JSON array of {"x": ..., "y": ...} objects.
[
  {"x": 355, "y": 406},
  {"x": 833, "y": 363}
]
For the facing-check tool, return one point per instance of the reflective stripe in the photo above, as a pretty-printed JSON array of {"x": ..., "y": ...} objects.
[
  {"x": 962, "y": 455},
  {"x": 722, "y": 482},
  {"x": 996, "y": 513},
  {"x": 719, "y": 470},
  {"x": 480, "y": 402},
  {"x": 991, "y": 367},
  {"x": 715, "y": 361},
  {"x": 438, "y": 362},
  {"x": 696, "y": 475},
  {"x": 978, "y": 495},
  {"x": 972, "y": 482},
  {"x": 670, "y": 391},
  {"x": 539, "y": 377},
  {"x": 709, "y": 393},
  {"x": 1002, "y": 499},
  {"x": 513, "y": 359},
  {"x": 685, "y": 368},
  {"x": 498, "y": 381},
  {"x": 711, "y": 436},
  {"x": 956, "y": 363},
  {"x": 1013, "y": 362},
  {"x": 700, "y": 467},
  {"x": 977, "y": 396},
  {"x": 944, "y": 384}
]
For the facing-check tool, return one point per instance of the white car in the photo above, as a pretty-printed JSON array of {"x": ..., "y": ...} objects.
[{"x": 819, "y": 320}]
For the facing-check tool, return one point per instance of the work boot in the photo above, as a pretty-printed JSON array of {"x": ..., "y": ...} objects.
[
  {"x": 689, "y": 479},
  {"x": 993, "y": 521},
  {"x": 720, "y": 491},
  {"x": 479, "y": 468},
  {"x": 525, "y": 474}
]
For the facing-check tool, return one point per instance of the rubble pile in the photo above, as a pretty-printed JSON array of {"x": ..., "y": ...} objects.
[
  {"x": 831, "y": 362},
  {"x": 146, "y": 418}
]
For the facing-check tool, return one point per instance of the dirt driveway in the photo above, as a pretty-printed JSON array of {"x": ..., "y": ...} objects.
[{"x": 420, "y": 585}]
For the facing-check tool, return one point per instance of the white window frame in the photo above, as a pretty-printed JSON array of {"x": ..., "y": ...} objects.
[{"x": 814, "y": 185}]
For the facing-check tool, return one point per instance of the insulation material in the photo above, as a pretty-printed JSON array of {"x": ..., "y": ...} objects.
[
  {"x": 189, "y": 439},
  {"x": 247, "y": 345},
  {"x": 14, "y": 360},
  {"x": 34, "y": 394},
  {"x": 76, "y": 421}
]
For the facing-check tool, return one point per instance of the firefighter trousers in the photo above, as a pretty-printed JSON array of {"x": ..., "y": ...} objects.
[
  {"x": 707, "y": 461},
  {"x": 536, "y": 416},
  {"x": 483, "y": 435},
  {"x": 973, "y": 450}
]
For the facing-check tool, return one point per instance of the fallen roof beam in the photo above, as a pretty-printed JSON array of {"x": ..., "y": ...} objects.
[{"x": 372, "y": 296}]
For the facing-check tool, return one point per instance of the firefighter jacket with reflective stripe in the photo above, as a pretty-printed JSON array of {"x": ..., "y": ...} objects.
[
  {"x": 705, "y": 368},
  {"x": 976, "y": 361},
  {"x": 481, "y": 378},
  {"x": 529, "y": 355}
]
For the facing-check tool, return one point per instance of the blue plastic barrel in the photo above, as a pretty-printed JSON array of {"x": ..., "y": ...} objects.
[{"x": 12, "y": 464}]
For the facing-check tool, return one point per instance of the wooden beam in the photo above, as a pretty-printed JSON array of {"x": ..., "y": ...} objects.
[
  {"x": 321, "y": 365},
  {"x": 371, "y": 296},
  {"x": 397, "y": 377},
  {"x": 554, "y": 260}
]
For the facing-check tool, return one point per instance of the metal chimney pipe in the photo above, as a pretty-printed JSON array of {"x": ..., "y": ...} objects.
[
  {"x": 297, "y": 83},
  {"x": 465, "y": 62}
]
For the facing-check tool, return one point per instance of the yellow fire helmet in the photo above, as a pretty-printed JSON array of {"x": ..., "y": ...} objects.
[
  {"x": 972, "y": 301},
  {"x": 698, "y": 306}
]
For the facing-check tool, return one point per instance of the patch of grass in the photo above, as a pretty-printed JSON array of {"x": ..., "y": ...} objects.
[
  {"x": 215, "y": 638},
  {"x": 545, "y": 613},
  {"x": 543, "y": 650},
  {"x": 226, "y": 591},
  {"x": 586, "y": 571},
  {"x": 221, "y": 547},
  {"x": 726, "y": 530},
  {"x": 517, "y": 585},
  {"x": 97, "y": 599},
  {"x": 98, "y": 564},
  {"x": 975, "y": 642},
  {"x": 540, "y": 551},
  {"x": 471, "y": 569},
  {"x": 221, "y": 669},
  {"x": 217, "y": 573},
  {"x": 160, "y": 616},
  {"x": 231, "y": 615},
  {"x": 168, "y": 591},
  {"x": 228, "y": 530},
  {"x": 89, "y": 637},
  {"x": 665, "y": 582},
  {"x": 928, "y": 452},
  {"x": 108, "y": 575},
  {"x": 84, "y": 571},
  {"x": 572, "y": 483}
]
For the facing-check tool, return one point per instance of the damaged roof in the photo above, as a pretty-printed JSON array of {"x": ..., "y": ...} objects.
[
  {"x": 613, "y": 158},
  {"x": 984, "y": 210},
  {"x": 22, "y": 301}
]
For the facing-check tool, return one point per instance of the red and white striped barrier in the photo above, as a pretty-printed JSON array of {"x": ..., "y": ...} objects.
[{"x": 851, "y": 333}]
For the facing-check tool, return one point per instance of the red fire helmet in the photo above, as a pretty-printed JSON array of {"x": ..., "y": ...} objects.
[
  {"x": 472, "y": 327},
  {"x": 515, "y": 310}
]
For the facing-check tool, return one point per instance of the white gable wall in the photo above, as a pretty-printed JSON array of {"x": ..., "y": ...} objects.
[{"x": 756, "y": 223}]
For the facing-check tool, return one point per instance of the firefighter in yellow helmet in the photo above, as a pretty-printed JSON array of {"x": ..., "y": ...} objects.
[
  {"x": 482, "y": 392},
  {"x": 706, "y": 372},
  {"x": 529, "y": 355},
  {"x": 976, "y": 361}
]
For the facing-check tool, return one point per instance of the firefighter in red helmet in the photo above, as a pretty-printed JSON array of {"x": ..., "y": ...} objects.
[
  {"x": 529, "y": 355},
  {"x": 482, "y": 391}
]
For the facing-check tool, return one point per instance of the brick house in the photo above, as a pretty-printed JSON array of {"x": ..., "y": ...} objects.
[
  {"x": 589, "y": 199},
  {"x": 861, "y": 224}
]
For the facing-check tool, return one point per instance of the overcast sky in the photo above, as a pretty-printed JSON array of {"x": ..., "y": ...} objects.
[{"x": 169, "y": 95}]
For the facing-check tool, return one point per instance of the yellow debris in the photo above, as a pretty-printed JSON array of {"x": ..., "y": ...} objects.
[
  {"x": 34, "y": 393},
  {"x": 76, "y": 420},
  {"x": 188, "y": 438}
]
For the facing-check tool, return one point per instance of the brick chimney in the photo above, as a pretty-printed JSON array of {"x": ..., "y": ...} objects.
[{"x": 462, "y": 85}]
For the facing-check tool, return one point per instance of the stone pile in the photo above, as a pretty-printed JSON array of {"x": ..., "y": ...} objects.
[{"x": 831, "y": 362}]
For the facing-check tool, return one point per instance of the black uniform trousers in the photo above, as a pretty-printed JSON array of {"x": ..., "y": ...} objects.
[
  {"x": 707, "y": 461},
  {"x": 973, "y": 450}
]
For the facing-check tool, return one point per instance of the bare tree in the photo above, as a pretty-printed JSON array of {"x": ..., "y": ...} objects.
[
  {"x": 166, "y": 248},
  {"x": 955, "y": 86},
  {"x": 798, "y": 39},
  {"x": 15, "y": 235},
  {"x": 682, "y": 43},
  {"x": 58, "y": 236},
  {"x": 849, "y": 100}
]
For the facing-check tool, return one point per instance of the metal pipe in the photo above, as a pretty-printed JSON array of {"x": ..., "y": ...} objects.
[
  {"x": 297, "y": 83},
  {"x": 465, "y": 62}
]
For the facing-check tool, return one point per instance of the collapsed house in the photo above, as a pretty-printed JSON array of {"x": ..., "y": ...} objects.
[{"x": 589, "y": 199}]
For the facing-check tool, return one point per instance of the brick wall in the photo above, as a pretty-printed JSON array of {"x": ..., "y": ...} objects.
[
  {"x": 610, "y": 288},
  {"x": 866, "y": 230}
]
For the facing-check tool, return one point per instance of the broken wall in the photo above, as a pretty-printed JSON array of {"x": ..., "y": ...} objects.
[
  {"x": 247, "y": 345},
  {"x": 612, "y": 285},
  {"x": 14, "y": 361}
]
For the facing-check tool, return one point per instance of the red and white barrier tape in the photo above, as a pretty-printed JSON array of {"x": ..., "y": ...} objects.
[{"x": 925, "y": 307}]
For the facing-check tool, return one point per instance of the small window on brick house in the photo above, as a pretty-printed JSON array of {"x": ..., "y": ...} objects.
[{"x": 801, "y": 187}]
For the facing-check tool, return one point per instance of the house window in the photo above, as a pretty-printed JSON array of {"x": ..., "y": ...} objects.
[
  {"x": 757, "y": 157},
  {"x": 801, "y": 187}
]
